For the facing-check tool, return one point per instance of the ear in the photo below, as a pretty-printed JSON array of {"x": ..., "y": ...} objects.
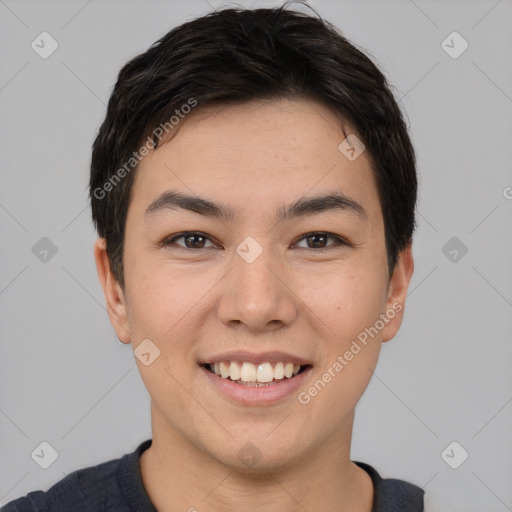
[
  {"x": 114, "y": 295},
  {"x": 397, "y": 291}
]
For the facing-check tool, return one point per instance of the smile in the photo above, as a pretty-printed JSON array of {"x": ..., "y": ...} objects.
[{"x": 255, "y": 375}]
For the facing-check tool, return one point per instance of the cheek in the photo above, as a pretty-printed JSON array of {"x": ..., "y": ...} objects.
[
  {"x": 163, "y": 309},
  {"x": 162, "y": 298},
  {"x": 347, "y": 300},
  {"x": 348, "y": 306}
]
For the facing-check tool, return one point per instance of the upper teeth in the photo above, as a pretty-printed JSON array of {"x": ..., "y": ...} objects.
[{"x": 249, "y": 372}]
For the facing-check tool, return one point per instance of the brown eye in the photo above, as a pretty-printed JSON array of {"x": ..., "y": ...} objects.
[
  {"x": 192, "y": 240},
  {"x": 319, "y": 240}
]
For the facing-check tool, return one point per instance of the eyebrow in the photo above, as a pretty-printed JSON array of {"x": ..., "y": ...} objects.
[{"x": 172, "y": 200}]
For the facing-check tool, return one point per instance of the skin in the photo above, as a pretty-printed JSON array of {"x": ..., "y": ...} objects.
[{"x": 194, "y": 303}]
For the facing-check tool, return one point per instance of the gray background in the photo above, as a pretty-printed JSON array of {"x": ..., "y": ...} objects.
[{"x": 64, "y": 377}]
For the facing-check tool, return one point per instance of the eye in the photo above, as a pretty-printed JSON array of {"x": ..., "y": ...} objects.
[
  {"x": 192, "y": 240},
  {"x": 318, "y": 240}
]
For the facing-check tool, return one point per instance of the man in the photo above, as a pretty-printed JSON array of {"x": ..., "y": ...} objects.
[{"x": 253, "y": 185}]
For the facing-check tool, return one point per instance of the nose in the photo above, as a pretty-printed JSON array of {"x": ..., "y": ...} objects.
[{"x": 257, "y": 296}]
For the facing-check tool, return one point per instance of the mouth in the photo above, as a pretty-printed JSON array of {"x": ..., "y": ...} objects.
[{"x": 265, "y": 374}]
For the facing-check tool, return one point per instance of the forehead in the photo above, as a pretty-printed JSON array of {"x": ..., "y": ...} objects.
[{"x": 256, "y": 154}]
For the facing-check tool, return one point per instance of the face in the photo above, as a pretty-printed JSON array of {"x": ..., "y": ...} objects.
[{"x": 255, "y": 248}]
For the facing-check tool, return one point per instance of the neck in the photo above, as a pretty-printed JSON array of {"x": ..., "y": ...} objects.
[{"x": 179, "y": 476}]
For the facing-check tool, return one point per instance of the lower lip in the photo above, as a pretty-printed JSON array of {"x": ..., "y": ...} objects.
[{"x": 252, "y": 395}]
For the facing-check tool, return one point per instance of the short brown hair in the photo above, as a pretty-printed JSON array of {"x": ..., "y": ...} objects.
[{"x": 238, "y": 55}]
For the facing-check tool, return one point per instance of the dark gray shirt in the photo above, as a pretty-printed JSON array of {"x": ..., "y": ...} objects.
[{"x": 116, "y": 486}]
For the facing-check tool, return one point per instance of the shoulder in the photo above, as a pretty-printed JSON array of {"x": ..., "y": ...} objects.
[
  {"x": 392, "y": 495},
  {"x": 99, "y": 487}
]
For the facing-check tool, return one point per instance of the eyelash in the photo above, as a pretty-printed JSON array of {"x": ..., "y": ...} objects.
[{"x": 338, "y": 239}]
